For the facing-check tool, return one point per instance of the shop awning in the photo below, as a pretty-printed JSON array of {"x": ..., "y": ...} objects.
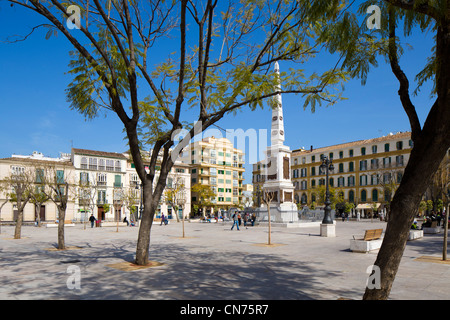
[{"x": 368, "y": 205}]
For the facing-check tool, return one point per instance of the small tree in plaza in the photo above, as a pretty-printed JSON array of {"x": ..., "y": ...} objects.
[
  {"x": 204, "y": 194},
  {"x": 87, "y": 194},
  {"x": 61, "y": 191},
  {"x": 18, "y": 186},
  {"x": 38, "y": 197},
  {"x": 176, "y": 197}
]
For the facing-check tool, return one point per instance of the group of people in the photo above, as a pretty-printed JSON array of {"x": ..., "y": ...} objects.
[
  {"x": 239, "y": 216},
  {"x": 429, "y": 219}
]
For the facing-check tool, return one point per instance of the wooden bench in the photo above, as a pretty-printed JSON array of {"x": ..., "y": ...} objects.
[
  {"x": 371, "y": 241},
  {"x": 372, "y": 234}
]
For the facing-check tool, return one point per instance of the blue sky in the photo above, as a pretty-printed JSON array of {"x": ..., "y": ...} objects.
[{"x": 35, "y": 115}]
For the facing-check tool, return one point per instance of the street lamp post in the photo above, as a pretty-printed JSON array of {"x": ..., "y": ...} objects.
[
  {"x": 327, "y": 165},
  {"x": 327, "y": 228}
]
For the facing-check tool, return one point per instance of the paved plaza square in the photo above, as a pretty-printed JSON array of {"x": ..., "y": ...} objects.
[{"x": 212, "y": 262}]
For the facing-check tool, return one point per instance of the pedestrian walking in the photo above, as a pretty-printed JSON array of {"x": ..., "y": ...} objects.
[
  {"x": 92, "y": 220},
  {"x": 235, "y": 221},
  {"x": 253, "y": 219},
  {"x": 239, "y": 218},
  {"x": 162, "y": 219}
]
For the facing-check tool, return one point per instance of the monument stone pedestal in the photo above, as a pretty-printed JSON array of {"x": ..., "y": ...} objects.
[{"x": 328, "y": 230}]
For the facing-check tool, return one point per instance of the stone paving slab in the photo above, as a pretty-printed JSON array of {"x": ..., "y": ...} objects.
[{"x": 212, "y": 262}]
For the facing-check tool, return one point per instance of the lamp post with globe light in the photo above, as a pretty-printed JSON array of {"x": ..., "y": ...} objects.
[
  {"x": 327, "y": 228},
  {"x": 326, "y": 166}
]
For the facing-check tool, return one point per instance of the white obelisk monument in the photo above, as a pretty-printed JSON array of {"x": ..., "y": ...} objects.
[{"x": 277, "y": 169}]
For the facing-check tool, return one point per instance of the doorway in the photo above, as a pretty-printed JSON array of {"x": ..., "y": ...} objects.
[{"x": 100, "y": 213}]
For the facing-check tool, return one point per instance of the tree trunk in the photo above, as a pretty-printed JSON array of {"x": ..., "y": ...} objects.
[
  {"x": 143, "y": 243},
  {"x": 424, "y": 160},
  {"x": 62, "y": 217},
  {"x": 18, "y": 229}
]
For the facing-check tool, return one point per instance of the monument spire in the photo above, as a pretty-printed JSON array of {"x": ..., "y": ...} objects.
[{"x": 277, "y": 130}]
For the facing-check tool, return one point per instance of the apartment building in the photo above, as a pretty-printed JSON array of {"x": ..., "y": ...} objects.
[
  {"x": 31, "y": 168},
  {"x": 178, "y": 182},
  {"x": 362, "y": 169},
  {"x": 216, "y": 163},
  {"x": 101, "y": 189}
]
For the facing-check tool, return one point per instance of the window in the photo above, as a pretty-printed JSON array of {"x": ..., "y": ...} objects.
[
  {"x": 220, "y": 180},
  {"x": 303, "y": 185},
  {"x": 193, "y": 170},
  {"x": 364, "y": 195},
  {"x": 351, "y": 196},
  {"x": 341, "y": 182},
  {"x": 331, "y": 182},
  {"x": 351, "y": 181},
  {"x": 399, "y": 145},
  {"x": 59, "y": 176},
  {"x": 331, "y": 155},
  {"x": 109, "y": 165},
  {"x": 374, "y": 195},
  {"x": 374, "y": 149},
  {"x": 84, "y": 163},
  {"x": 374, "y": 179},
  {"x": 101, "y": 197},
  {"x": 313, "y": 158},
  {"x": 363, "y": 151},
  {"x": 304, "y": 172},
  {"x": 117, "y": 166},
  {"x": 341, "y": 154},
  {"x": 399, "y": 161},
  {"x": 84, "y": 177},
  {"x": 117, "y": 181},
  {"x": 386, "y": 177},
  {"x": 313, "y": 183},
  {"x": 313, "y": 171},
  {"x": 363, "y": 180},
  {"x": 341, "y": 167},
  {"x": 15, "y": 170},
  {"x": 386, "y": 147},
  {"x": 350, "y": 153},
  {"x": 351, "y": 167},
  {"x": 363, "y": 165},
  {"x": 374, "y": 164},
  {"x": 92, "y": 163},
  {"x": 39, "y": 175},
  {"x": 387, "y": 162},
  {"x": 101, "y": 165}
]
